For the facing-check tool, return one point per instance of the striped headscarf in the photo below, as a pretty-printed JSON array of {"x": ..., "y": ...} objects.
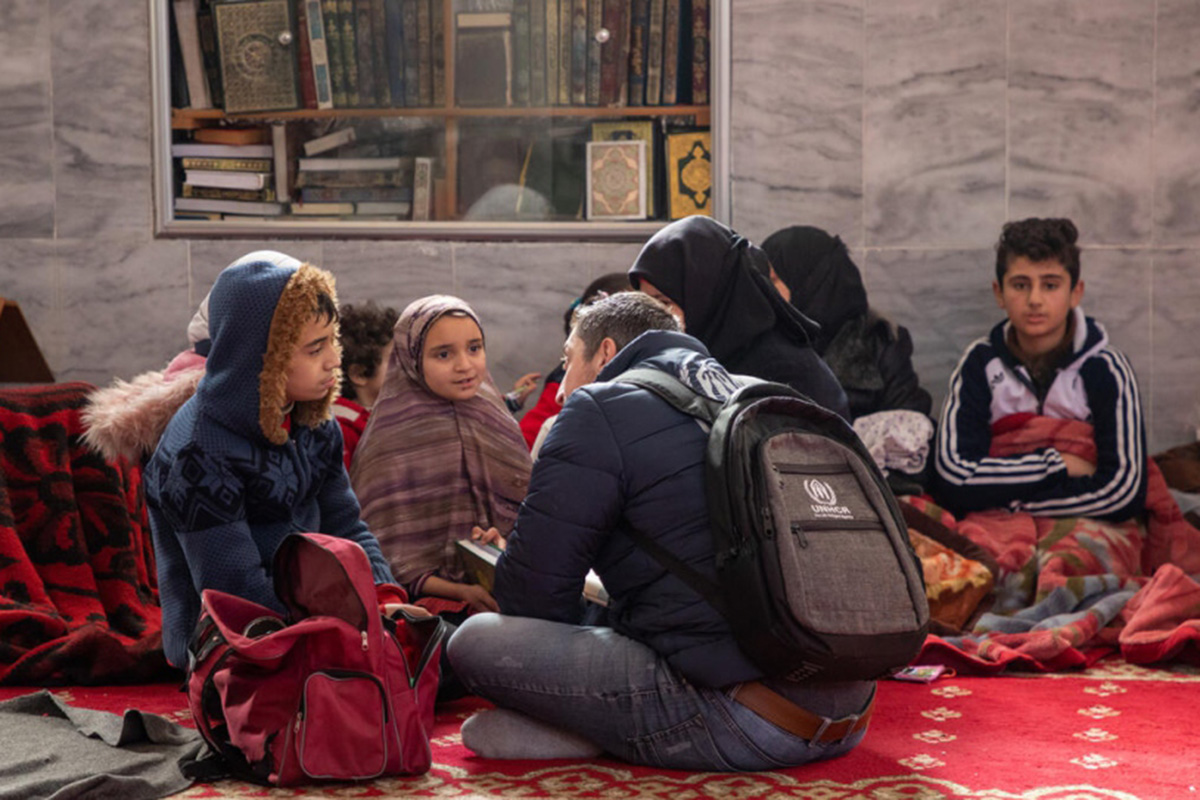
[{"x": 428, "y": 469}]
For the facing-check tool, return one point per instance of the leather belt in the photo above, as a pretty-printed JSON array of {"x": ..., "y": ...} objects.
[{"x": 783, "y": 713}]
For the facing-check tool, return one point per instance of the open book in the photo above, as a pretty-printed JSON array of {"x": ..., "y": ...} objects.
[{"x": 480, "y": 562}]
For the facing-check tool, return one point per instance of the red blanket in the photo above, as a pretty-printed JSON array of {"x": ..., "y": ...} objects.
[
  {"x": 1071, "y": 590},
  {"x": 78, "y": 601}
]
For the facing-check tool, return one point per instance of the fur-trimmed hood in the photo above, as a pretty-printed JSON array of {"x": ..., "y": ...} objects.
[
  {"x": 256, "y": 313},
  {"x": 127, "y": 418}
]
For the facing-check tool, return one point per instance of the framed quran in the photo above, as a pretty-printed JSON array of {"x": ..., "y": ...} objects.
[
  {"x": 689, "y": 174},
  {"x": 258, "y": 60},
  {"x": 616, "y": 180}
]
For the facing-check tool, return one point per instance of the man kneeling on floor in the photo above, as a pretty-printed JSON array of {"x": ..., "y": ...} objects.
[{"x": 662, "y": 682}]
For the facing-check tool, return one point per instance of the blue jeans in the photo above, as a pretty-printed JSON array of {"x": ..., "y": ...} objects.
[{"x": 622, "y": 696}]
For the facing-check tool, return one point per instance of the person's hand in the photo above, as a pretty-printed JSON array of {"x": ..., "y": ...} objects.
[
  {"x": 525, "y": 385},
  {"x": 490, "y": 536},
  {"x": 1077, "y": 466},
  {"x": 392, "y": 610},
  {"x": 477, "y": 598}
]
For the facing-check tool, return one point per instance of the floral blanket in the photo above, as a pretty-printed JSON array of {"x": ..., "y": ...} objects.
[{"x": 1071, "y": 590}]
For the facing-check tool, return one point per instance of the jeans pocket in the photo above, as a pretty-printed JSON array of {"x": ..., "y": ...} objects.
[{"x": 688, "y": 745}]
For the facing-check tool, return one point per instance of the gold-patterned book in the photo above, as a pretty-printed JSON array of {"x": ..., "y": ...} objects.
[
  {"x": 636, "y": 130},
  {"x": 689, "y": 174},
  {"x": 256, "y": 41},
  {"x": 616, "y": 180}
]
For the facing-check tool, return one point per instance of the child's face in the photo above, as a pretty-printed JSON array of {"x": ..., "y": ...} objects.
[
  {"x": 1038, "y": 297},
  {"x": 453, "y": 361},
  {"x": 366, "y": 390},
  {"x": 311, "y": 370}
]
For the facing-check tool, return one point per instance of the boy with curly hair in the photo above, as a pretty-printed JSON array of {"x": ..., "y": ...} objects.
[
  {"x": 1047, "y": 359},
  {"x": 366, "y": 339}
]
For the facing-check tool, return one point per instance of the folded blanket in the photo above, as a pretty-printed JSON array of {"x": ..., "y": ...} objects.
[{"x": 1071, "y": 590}]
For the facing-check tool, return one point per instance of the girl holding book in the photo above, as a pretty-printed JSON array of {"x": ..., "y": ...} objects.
[{"x": 441, "y": 458}]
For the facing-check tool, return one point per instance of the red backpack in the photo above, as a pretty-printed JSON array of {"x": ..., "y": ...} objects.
[{"x": 338, "y": 693}]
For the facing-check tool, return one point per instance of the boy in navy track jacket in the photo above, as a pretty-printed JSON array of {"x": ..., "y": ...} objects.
[{"x": 1047, "y": 359}]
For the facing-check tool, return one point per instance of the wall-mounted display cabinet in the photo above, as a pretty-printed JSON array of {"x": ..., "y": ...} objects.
[{"x": 584, "y": 119}]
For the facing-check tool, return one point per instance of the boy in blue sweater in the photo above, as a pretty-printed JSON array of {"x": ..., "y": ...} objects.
[
  {"x": 1047, "y": 359},
  {"x": 254, "y": 455}
]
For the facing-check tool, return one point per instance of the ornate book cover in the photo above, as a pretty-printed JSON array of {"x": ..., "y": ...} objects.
[
  {"x": 552, "y": 52},
  {"x": 579, "y": 52},
  {"x": 597, "y": 35},
  {"x": 636, "y": 130},
  {"x": 616, "y": 180},
  {"x": 349, "y": 50},
  {"x": 689, "y": 174},
  {"x": 209, "y": 52},
  {"x": 422, "y": 188},
  {"x": 521, "y": 60},
  {"x": 672, "y": 29},
  {"x": 537, "y": 52},
  {"x": 437, "y": 23},
  {"x": 412, "y": 60},
  {"x": 379, "y": 44},
  {"x": 425, "y": 52},
  {"x": 393, "y": 22},
  {"x": 654, "y": 53},
  {"x": 258, "y": 59},
  {"x": 639, "y": 38},
  {"x": 614, "y": 54},
  {"x": 308, "y": 87},
  {"x": 318, "y": 52},
  {"x": 565, "y": 34},
  {"x": 364, "y": 40},
  {"x": 330, "y": 16},
  {"x": 700, "y": 52}
]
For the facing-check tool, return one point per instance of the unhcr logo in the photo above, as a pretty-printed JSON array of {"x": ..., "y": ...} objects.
[{"x": 825, "y": 501}]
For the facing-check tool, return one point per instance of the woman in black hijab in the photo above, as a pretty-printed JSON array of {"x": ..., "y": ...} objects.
[
  {"x": 871, "y": 357},
  {"x": 715, "y": 281}
]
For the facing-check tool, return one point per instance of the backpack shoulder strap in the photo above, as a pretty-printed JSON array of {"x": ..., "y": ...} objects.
[
  {"x": 674, "y": 391},
  {"x": 686, "y": 400}
]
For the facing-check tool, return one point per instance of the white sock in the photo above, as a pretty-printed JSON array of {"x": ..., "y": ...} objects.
[{"x": 501, "y": 733}]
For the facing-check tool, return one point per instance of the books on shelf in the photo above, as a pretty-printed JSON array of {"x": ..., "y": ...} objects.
[
  {"x": 227, "y": 179},
  {"x": 227, "y": 164},
  {"x": 333, "y": 164},
  {"x": 483, "y": 66},
  {"x": 355, "y": 178},
  {"x": 187, "y": 30},
  {"x": 323, "y": 209},
  {"x": 479, "y": 562},
  {"x": 203, "y": 150},
  {"x": 232, "y": 135},
  {"x": 216, "y": 193},
  {"x": 330, "y": 141},
  {"x": 356, "y": 194},
  {"x": 266, "y": 209}
]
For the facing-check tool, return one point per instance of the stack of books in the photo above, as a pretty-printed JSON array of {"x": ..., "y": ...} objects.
[
  {"x": 226, "y": 179},
  {"x": 369, "y": 186}
]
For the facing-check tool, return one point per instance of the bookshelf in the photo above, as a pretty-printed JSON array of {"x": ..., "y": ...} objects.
[{"x": 500, "y": 171}]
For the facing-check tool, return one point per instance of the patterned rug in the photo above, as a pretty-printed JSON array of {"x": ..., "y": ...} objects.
[{"x": 1114, "y": 732}]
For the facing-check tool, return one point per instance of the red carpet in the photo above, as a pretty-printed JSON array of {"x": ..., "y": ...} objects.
[{"x": 1116, "y": 732}]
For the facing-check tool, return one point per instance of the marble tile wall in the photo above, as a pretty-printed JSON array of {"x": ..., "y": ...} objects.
[{"x": 912, "y": 128}]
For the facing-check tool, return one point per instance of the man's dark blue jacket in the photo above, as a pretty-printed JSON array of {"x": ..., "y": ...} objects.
[{"x": 617, "y": 458}]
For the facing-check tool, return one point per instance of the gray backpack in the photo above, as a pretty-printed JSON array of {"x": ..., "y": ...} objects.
[{"x": 815, "y": 572}]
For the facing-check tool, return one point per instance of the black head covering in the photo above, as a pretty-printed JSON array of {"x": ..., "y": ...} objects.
[
  {"x": 718, "y": 278},
  {"x": 825, "y": 283}
]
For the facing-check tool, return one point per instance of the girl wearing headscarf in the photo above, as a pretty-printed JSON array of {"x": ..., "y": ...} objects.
[
  {"x": 441, "y": 458},
  {"x": 871, "y": 357},
  {"x": 715, "y": 281}
]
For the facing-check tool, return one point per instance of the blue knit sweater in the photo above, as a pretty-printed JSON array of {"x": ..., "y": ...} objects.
[{"x": 230, "y": 479}]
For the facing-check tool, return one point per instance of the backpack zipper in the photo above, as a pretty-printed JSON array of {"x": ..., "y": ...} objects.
[{"x": 798, "y": 532}]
